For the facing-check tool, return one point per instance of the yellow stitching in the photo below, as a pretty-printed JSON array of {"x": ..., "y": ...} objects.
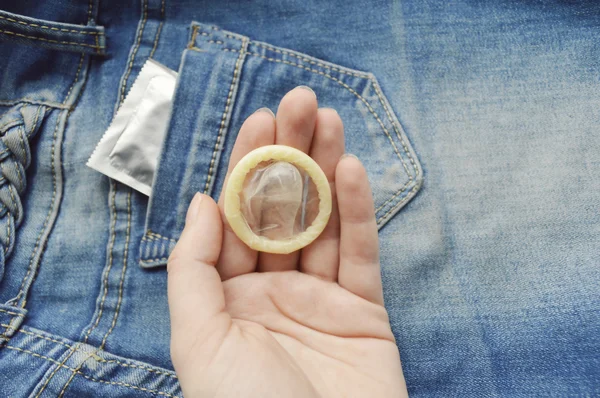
[
  {"x": 415, "y": 189},
  {"x": 50, "y": 27},
  {"x": 128, "y": 365},
  {"x": 96, "y": 357},
  {"x": 70, "y": 43},
  {"x": 283, "y": 52},
  {"x": 125, "y": 256},
  {"x": 154, "y": 259},
  {"x": 90, "y": 7},
  {"x": 135, "y": 49},
  {"x": 158, "y": 31},
  {"x": 150, "y": 233},
  {"x": 10, "y": 191},
  {"x": 118, "y": 383},
  {"x": 38, "y": 335},
  {"x": 76, "y": 79},
  {"x": 193, "y": 38},
  {"x": 50, "y": 210},
  {"x": 215, "y": 41},
  {"x": 87, "y": 377},
  {"x": 113, "y": 214},
  {"x": 402, "y": 189},
  {"x": 73, "y": 373},
  {"x": 160, "y": 26},
  {"x": 54, "y": 195},
  {"x": 380, "y": 95},
  {"x": 61, "y": 364},
  {"x": 364, "y": 101},
  {"x": 11, "y": 313},
  {"x": 372, "y": 112},
  {"x": 9, "y": 122},
  {"x": 8, "y": 233},
  {"x": 33, "y": 102},
  {"x": 223, "y": 119}
]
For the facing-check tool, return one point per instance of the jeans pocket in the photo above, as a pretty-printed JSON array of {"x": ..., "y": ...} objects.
[
  {"x": 223, "y": 78},
  {"x": 50, "y": 34}
]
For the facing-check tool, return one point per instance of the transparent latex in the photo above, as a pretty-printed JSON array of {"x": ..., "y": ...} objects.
[{"x": 278, "y": 201}]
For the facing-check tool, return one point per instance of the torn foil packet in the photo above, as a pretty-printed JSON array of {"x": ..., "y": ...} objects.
[{"x": 129, "y": 150}]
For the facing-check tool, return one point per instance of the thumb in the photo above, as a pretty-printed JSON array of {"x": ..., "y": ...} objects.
[{"x": 195, "y": 290}]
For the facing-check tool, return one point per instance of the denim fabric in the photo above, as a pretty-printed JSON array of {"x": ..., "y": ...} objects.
[{"x": 490, "y": 273}]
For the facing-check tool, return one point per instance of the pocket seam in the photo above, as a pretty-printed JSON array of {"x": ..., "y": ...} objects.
[
  {"x": 69, "y": 43},
  {"x": 411, "y": 179},
  {"x": 49, "y": 27}
]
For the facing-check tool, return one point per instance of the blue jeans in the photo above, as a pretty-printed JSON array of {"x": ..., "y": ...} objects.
[{"x": 486, "y": 109}]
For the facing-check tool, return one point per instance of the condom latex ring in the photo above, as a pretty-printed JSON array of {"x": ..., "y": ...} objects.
[{"x": 277, "y": 199}]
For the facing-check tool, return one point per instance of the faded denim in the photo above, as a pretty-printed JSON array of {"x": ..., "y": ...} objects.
[{"x": 487, "y": 110}]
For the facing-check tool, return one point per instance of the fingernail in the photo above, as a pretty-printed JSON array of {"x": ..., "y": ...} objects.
[
  {"x": 192, "y": 212},
  {"x": 349, "y": 155},
  {"x": 309, "y": 89},
  {"x": 265, "y": 110}
]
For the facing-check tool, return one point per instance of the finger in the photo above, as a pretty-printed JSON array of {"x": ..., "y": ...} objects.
[
  {"x": 321, "y": 258},
  {"x": 359, "y": 270},
  {"x": 236, "y": 257},
  {"x": 195, "y": 290},
  {"x": 295, "y": 121}
]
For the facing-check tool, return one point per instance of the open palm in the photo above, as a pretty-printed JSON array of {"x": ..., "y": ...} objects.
[{"x": 305, "y": 324}]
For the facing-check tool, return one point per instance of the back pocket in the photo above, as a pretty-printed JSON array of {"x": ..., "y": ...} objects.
[{"x": 223, "y": 78}]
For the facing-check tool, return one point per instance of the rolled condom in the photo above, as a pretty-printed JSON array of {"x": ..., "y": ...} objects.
[{"x": 277, "y": 199}]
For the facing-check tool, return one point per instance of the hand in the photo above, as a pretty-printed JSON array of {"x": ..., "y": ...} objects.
[{"x": 306, "y": 324}]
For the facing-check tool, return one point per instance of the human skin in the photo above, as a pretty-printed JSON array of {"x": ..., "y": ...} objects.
[{"x": 306, "y": 324}]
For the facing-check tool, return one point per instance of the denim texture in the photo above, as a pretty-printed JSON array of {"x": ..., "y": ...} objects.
[{"x": 487, "y": 109}]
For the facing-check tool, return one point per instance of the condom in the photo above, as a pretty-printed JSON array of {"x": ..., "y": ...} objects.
[{"x": 277, "y": 199}]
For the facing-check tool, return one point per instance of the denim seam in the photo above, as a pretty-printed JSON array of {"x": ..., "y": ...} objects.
[
  {"x": 96, "y": 357},
  {"x": 4, "y": 127},
  {"x": 395, "y": 195},
  {"x": 370, "y": 108},
  {"x": 70, "y": 43},
  {"x": 193, "y": 38},
  {"x": 223, "y": 127},
  {"x": 76, "y": 79},
  {"x": 55, "y": 370},
  {"x": 113, "y": 213},
  {"x": 151, "y": 235},
  {"x": 414, "y": 190},
  {"x": 11, "y": 313},
  {"x": 73, "y": 374},
  {"x": 152, "y": 260},
  {"x": 140, "y": 33},
  {"x": 7, "y": 233},
  {"x": 86, "y": 376},
  {"x": 50, "y": 27},
  {"x": 89, "y": 13},
  {"x": 398, "y": 133},
  {"x": 350, "y": 89},
  {"x": 291, "y": 54},
  {"x": 121, "y": 282},
  {"x": 49, "y": 104},
  {"x": 50, "y": 211},
  {"x": 159, "y": 29},
  {"x": 119, "y": 300}
]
